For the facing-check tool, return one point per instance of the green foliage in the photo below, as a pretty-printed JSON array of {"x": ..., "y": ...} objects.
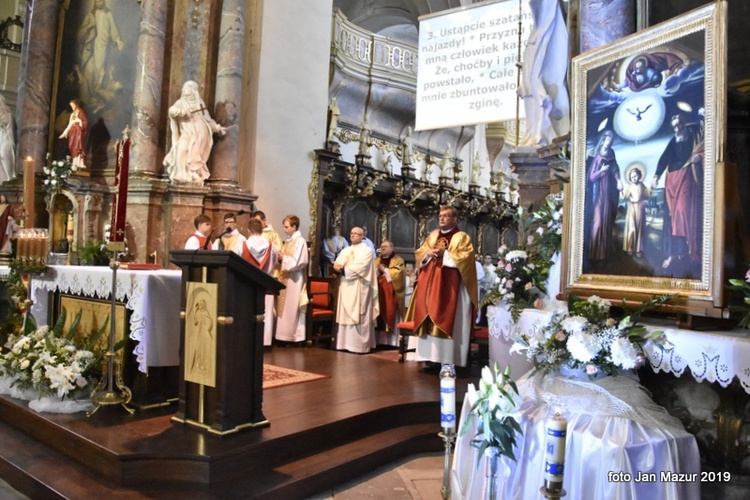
[
  {"x": 741, "y": 289},
  {"x": 91, "y": 253},
  {"x": 495, "y": 411}
]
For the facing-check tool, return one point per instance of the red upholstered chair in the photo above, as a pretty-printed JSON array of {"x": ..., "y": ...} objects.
[
  {"x": 405, "y": 329},
  {"x": 321, "y": 311},
  {"x": 481, "y": 337}
]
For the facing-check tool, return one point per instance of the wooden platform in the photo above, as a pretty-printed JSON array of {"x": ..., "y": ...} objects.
[{"x": 371, "y": 411}]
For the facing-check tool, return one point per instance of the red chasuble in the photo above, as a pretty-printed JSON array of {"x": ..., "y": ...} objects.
[
  {"x": 435, "y": 297},
  {"x": 387, "y": 298}
]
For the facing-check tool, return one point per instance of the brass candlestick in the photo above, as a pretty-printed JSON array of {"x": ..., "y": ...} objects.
[
  {"x": 116, "y": 392},
  {"x": 448, "y": 437}
]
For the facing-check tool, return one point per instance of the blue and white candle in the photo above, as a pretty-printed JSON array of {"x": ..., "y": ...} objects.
[
  {"x": 554, "y": 460},
  {"x": 448, "y": 398}
]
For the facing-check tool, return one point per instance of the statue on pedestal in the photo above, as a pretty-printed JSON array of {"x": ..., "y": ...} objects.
[
  {"x": 407, "y": 149},
  {"x": 192, "y": 137},
  {"x": 446, "y": 165},
  {"x": 476, "y": 170},
  {"x": 364, "y": 139},
  {"x": 333, "y": 113},
  {"x": 7, "y": 143},
  {"x": 75, "y": 132}
]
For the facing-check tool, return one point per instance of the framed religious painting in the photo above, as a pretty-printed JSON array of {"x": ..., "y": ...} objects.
[
  {"x": 94, "y": 81},
  {"x": 645, "y": 203}
]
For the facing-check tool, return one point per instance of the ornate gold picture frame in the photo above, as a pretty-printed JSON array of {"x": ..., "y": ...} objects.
[{"x": 645, "y": 204}]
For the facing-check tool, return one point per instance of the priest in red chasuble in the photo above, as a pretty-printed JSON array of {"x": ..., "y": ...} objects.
[
  {"x": 357, "y": 305},
  {"x": 446, "y": 293},
  {"x": 391, "y": 287}
]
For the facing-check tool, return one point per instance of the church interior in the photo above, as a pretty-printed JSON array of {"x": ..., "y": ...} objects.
[{"x": 123, "y": 120}]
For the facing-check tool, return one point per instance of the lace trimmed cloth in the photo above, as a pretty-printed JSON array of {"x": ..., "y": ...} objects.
[
  {"x": 152, "y": 296},
  {"x": 615, "y": 436}
]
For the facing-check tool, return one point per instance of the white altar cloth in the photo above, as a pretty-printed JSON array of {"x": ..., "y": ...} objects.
[
  {"x": 632, "y": 436},
  {"x": 714, "y": 356},
  {"x": 153, "y": 296}
]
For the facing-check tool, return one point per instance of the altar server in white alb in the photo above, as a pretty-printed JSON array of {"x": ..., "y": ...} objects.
[
  {"x": 357, "y": 306},
  {"x": 291, "y": 303},
  {"x": 261, "y": 253},
  {"x": 232, "y": 239}
]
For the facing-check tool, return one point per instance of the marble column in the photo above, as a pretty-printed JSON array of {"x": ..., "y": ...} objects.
[
  {"x": 601, "y": 23},
  {"x": 225, "y": 154},
  {"x": 145, "y": 122},
  {"x": 35, "y": 83}
]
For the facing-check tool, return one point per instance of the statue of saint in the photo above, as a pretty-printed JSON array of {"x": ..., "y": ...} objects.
[
  {"x": 192, "y": 137},
  {"x": 446, "y": 165},
  {"x": 476, "y": 170},
  {"x": 7, "y": 143},
  {"x": 364, "y": 138},
  {"x": 75, "y": 132},
  {"x": 407, "y": 149},
  {"x": 333, "y": 121}
]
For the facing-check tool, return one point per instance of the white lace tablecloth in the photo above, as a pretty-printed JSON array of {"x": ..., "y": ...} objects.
[
  {"x": 152, "y": 296},
  {"x": 613, "y": 427},
  {"x": 713, "y": 356}
]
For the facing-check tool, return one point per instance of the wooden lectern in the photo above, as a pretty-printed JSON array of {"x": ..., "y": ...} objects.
[{"x": 222, "y": 308}]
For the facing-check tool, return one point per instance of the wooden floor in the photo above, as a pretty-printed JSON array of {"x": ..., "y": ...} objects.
[{"x": 367, "y": 413}]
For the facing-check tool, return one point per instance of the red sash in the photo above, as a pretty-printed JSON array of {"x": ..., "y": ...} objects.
[
  {"x": 201, "y": 241},
  {"x": 252, "y": 260}
]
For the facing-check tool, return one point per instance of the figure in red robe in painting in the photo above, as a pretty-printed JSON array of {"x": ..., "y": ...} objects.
[
  {"x": 682, "y": 160},
  {"x": 75, "y": 132}
]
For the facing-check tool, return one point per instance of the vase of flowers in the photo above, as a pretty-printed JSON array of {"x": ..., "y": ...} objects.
[
  {"x": 495, "y": 413},
  {"x": 586, "y": 339}
]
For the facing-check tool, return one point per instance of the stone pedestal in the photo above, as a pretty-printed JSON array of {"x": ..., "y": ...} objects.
[
  {"x": 533, "y": 174},
  {"x": 363, "y": 160}
]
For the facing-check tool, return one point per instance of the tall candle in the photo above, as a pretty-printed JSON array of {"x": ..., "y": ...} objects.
[
  {"x": 448, "y": 398},
  {"x": 554, "y": 460},
  {"x": 28, "y": 189}
]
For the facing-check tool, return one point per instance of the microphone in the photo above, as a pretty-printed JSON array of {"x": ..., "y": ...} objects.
[
  {"x": 208, "y": 238},
  {"x": 227, "y": 230}
]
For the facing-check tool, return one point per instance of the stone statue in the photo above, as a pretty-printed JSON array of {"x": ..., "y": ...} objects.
[
  {"x": 192, "y": 137},
  {"x": 446, "y": 165},
  {"x": 364, "y": 138},
  {"x": 76, "y": 132},
  {"x": 7, "y": 143},
  {"x": 476, "y": 170},
  {"x": 543, "y": 86},
  {"x": 407, "y": 149},
  {"x": 333, "y": 122}
]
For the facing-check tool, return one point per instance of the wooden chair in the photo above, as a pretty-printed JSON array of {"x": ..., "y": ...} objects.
[
  {"x": 321, "y": 311},
  {"x": 405, "y": 329},
  {"x": 481, "y": 337}
]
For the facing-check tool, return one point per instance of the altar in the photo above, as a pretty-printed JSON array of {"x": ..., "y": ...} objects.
[
  {"x": 619, "y": 445},
  {"x": 708, "y": 355},
  {"x": 151, "y": 297}
]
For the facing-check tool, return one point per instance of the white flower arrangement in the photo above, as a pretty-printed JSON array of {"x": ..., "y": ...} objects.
[
  {"x": 49, "y": 363},
  {"x": 496, "y": 410},
  {"x": 586, "y": 337},
  {"x": 56, "y": 173}
]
